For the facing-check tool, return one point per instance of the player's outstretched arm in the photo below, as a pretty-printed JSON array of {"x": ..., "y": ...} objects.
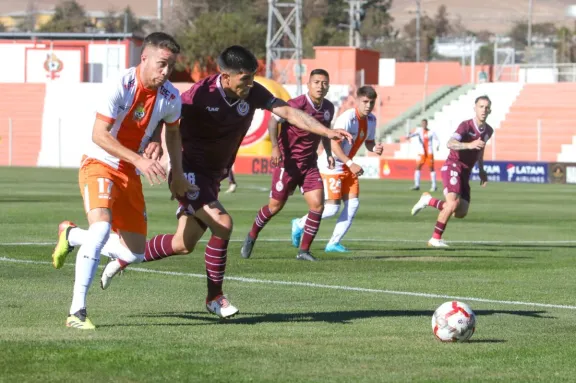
[
  {"x": 305, "y": 122},
  {"x": 101, "y": 136}
]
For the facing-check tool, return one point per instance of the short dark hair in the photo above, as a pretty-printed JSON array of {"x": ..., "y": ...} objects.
[
  {"x": 237, "y": 59},
  {"x": 319, "y": 72},
  {"x": 367, "y": 91},
  {"x": 161, "y": 40},
  {"x": 484, "y": 97},
  {"x": 425, "y": 120}
]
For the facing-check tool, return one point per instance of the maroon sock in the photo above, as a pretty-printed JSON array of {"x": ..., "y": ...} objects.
[
  {"x": 159, "y": 247},
  {"x": 437, "y": 203},
  {"x": 122, "y": 263},
  {"x": 264, "y": 215},
  {"x": 310, "y": 229},
  {"x": 439, "y": 229},
  {"x": 215, "y": 259}
]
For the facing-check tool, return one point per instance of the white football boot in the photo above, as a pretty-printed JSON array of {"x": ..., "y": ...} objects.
[
  {"x": 433, "y": 242},
  {"x": 421, "y": 204},
  {"x": 221, "y": 307}
]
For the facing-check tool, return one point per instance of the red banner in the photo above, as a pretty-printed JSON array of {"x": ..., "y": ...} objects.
[{"x": 392, "y": 169}]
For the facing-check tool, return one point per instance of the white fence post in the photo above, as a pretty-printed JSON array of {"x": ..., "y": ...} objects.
[
  {"x": 539, "y": 140},
  {"x": 9, "y": 141}
]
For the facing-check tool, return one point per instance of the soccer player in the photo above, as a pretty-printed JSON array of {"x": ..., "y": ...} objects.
[
  {"x": 216, "y": 115},
  {"x": 428, "y": 141},
  {"x": 341, "y": 182},
  {"x": 298, "y": 165},
  {"x": 109, "y": 176},
  {"x": 466, "y": 148}
]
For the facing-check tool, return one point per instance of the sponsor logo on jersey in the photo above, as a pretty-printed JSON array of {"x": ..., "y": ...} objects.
[{"x": 243, "y": 108}]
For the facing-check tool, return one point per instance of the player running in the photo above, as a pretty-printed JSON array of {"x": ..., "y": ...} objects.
[
  {"x": 341, "y": 183},
  {"x": 297, "y": 165},
  {"x": 109, "y": 176},
  {"x": 466, "y": 148},
  {"x": 428, "y": 141},
  {"x": 216, "y": 115}
]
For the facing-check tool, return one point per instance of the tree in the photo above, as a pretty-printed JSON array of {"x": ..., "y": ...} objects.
[
  {"x": 69, "y": 16},
  {"x": 541, "y": 31},
  {"x": 202, "y": 43},
  {"x": 2, "y": 27},
  {"x": 377, "y": 23},
  {"x": 28, "y": 24},
  {"x": 441, "y": 22},
  {"x": 427, "y": 37}
]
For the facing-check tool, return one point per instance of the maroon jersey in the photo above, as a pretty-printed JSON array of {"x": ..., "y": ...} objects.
[
  {"x": 213, "y": 125},
  {"x": 468, "y": 131},
  {"x": 297, "y": 146}
]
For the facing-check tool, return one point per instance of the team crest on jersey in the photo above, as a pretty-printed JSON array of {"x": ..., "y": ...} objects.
[
  {"x": 361, "y": 134},
  {"x": 243, "y": 108},
  {"x": 279, "y": 186},
  {"x": 139, "y": 113},
  {"x": 326, "y": 115}
]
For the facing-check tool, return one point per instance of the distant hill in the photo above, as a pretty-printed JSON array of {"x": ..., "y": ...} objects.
[{"x": 494, "y": 15}]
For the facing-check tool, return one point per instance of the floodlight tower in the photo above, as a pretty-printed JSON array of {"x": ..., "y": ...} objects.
[{"x": 284, "y": 38}]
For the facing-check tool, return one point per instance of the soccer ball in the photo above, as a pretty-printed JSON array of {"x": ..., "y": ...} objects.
[{"x": 453, "y": 322}]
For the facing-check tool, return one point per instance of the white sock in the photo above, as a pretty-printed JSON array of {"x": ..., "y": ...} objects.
[
  {"x": 87, "y": 261},
  {"x": 433, "y": 176},
  {"x": 116, "y": 250},
  {"x": 344, "y": 220},
  {"x": 416, "y": 177},
  {"x": 330, "y": 210},
  {"x": 77, "y": 236}
]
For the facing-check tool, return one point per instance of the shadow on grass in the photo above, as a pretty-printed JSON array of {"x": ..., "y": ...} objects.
[{"x": 342, "y": 317}]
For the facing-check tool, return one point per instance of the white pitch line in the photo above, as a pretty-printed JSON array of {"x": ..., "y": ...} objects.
[
  {"x": 535, "y": 242},
  {"x": 322, "y": 286}
]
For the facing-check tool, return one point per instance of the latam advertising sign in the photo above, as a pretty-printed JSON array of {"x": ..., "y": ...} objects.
[{"x": 512, "y": 171}]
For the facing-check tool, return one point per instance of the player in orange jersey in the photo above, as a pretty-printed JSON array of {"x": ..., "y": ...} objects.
[
  {"x": 428, "y": 140},
  {"x": 109, "y": 178},
  {"x": 341, "y": 182}
]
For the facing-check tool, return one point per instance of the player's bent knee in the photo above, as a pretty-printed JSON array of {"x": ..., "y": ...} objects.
[{"x": 275, "y": 206}]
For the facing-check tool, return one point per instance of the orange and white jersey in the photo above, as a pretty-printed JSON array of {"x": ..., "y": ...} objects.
[
  {"x": 134, "y": 112},
  {"x": 428, "y": 140},
  {"x": 361, "y": 129}
]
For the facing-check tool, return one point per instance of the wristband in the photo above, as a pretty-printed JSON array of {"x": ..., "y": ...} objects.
[{"x": 349, "y": 163}]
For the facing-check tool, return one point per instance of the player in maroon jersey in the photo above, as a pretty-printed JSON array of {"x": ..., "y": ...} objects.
[
  {"x": 216, "y": 115},
  {"x": 298, "y": 166},
  {"x": 466, "y": 148}
]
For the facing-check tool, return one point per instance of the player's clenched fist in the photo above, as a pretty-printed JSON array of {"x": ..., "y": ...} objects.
[
  {"x": 477, "y": 144},
  {"x": 152, "y": 170},
  {"x": 378, "y": 149}
]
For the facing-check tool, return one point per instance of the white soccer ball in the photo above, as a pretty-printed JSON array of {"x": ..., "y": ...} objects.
[{"x": 453, "y": 322}]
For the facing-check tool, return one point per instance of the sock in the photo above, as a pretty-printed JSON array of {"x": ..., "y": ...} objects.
[
  {"x": 436, "y": 203},
  {"x": 433, "y": 177},
  {"x": 159, "y": 247},
  {"x": 215, "y": 259},
  {"x": 116, "y": 250},
  {"x": 310, "y": 229},
  {"x": 87, "y": 261},
  {"x": 417, "y": 178},
  {"x": 330, "y": 210},
  {"x": 264, "y": 215},
  {"x": 439, "y": 230},
  {"x": 77, "y": 236},
  {"x": 231, "y": 177},
  {"x": 344, "y": 220}
]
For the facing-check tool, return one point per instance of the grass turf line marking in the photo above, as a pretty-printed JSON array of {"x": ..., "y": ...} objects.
[{"x": 322, "y": 286}]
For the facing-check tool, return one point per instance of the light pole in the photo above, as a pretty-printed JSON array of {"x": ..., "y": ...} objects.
[{"x": 418, "y": 12}]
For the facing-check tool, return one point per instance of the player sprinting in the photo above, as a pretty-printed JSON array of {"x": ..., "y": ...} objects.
[
  {"x": 428, "y": 141},
  {"x": 109, "y": 177},
  {"x": 295, "y": 159},
  {"x": 466, "y": 148},
  {"x": 216, "y": 115},
  {"x": 341, "y": 183}
]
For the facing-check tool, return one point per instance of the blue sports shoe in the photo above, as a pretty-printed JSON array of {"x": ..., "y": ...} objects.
[
  {"x": 296, "y": 233},
  {"x": 335, "y": 248}
]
